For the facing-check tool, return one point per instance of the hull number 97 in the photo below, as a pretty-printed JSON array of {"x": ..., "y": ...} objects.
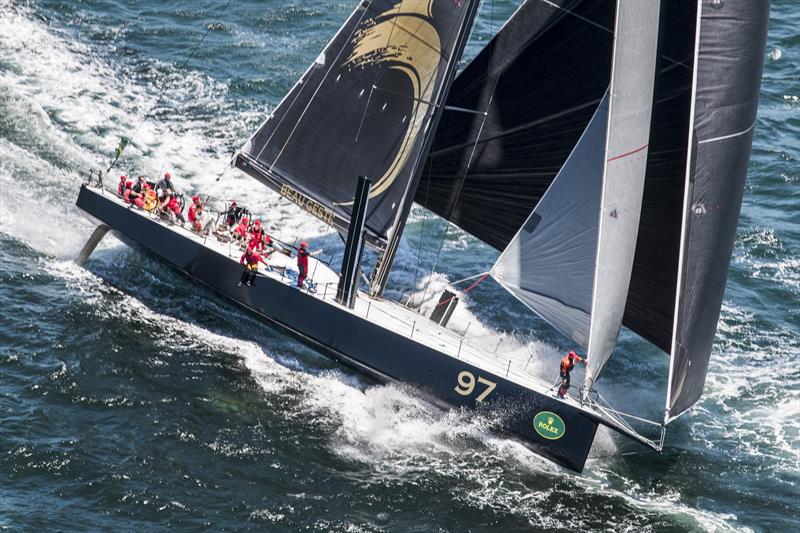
[{"x": 467, "y": 385}]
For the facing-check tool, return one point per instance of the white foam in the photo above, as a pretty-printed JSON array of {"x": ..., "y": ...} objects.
[{"x": 55, "y": 77}]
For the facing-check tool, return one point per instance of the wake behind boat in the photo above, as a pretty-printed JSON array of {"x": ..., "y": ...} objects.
[{"x": 615, "y": 206}]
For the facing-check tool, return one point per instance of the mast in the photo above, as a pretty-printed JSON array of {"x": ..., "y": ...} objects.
[
  {"x": 627, "y": 140},
  {"x": 380, "y": 275}
]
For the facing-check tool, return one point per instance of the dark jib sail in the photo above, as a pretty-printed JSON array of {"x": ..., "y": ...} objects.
[
  {"x": 551, "y": 64},
  {"x": 728, "y": 80},
  {"x": 363, "y": 108}
]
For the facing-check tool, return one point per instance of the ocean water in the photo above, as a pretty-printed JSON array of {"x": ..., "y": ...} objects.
[{"x": 131, "y": 399}]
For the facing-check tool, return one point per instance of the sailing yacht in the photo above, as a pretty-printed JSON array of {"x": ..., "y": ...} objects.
[{"x": 613, "y": 137}]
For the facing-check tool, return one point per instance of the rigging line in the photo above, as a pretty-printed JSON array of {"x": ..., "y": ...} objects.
[
  {"x": 181, "y": 67},
  {"x": 421, "y": 234},
  {"x": 522, "y": 127},
  {"x": 462, "y": 280},
  {"x": 466, "y": 170},
  {"x": 674, "y": 62},
  {"x": 481, "y": 278}
]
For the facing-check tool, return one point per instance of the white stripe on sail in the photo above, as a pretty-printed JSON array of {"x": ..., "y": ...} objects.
[{"x": 632, "y": 79}]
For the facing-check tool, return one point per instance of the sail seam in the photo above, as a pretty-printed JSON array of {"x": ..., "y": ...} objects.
[{"x": 729, "y": 136}]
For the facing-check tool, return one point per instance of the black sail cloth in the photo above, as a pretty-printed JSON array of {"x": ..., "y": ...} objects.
[
  {"x": 363, "y": 108},
  {"x": 552, "y": 64},
  {"x": 730, "y": 60}
]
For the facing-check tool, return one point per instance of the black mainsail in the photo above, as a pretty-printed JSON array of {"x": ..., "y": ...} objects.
[{"x": 364, "y": 108}]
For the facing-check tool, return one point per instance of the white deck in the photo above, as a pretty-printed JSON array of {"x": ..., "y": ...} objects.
[{"x": 392, "y": 316}]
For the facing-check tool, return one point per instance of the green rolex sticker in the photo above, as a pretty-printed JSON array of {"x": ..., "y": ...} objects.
[{"x": 549, "y": 425}]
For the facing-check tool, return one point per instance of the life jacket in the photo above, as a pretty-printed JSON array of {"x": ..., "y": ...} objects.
[
  {"x": 174, "y": 205},
  {"x": 567, "y": 365},
  {"x": 256, "y": 238},
  {"x": 150, "y": 200},
  {"x": 302, "y": 258}
]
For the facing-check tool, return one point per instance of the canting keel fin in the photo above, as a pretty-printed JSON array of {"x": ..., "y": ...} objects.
[{"x": 97, "y": 235}]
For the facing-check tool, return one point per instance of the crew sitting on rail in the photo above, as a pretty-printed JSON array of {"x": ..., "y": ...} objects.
[
  {"x": 195, "y": 214},
  {"x": 135, "y": 194},
  {"x": 302, "y": 263},
  {"x": 172, "y": 209},
  {"x": 255, "y": 238},
  {"x": 240, "y": 233},
  {"x": 233, "y": 215},
  {"x": 250, "y": 259},
  {"x": 165, "y": 184},
  {"x": 122, "y": 185}
]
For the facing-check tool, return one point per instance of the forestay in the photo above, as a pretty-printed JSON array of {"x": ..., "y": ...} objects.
[{"x": 630, "y": 109}]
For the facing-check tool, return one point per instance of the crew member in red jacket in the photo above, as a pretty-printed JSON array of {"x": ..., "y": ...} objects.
[
  {"x": 567, "y": 364},
  {"x": 302, "y": 263},
  {"x": 250, "y": 259},
  {"x": 195, "y": 214},
  {"x": 240, "y": 233},
  {"x": 173, "y": 206},
  {"x": 122, "y": 185},
  {"x": 255, "y": 239}
]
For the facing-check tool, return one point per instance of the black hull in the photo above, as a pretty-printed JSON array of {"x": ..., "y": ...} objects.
[{"x": 354, "y": 341}]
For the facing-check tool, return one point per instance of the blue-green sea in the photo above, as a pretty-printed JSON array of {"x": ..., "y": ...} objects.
[{"x": 134, "y": 400}]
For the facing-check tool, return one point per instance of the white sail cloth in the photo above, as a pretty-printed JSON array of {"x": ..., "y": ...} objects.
[
  {"x": 571, "y": 261},
  {"x": 549, "y": 264},
  {"x": 630, "y": 109}
]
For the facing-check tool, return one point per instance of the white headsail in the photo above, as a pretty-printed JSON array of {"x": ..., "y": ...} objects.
[
  {"x": 571, "y": 261},
  {"x": 549, "y": 264},
  {"x": 630, "y": 109}
]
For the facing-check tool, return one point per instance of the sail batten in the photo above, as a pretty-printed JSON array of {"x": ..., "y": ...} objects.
[{"x": 630, "y": 108}]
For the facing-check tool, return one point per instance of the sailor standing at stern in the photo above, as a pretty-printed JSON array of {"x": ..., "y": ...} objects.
[{"x": 567, "y": 364}]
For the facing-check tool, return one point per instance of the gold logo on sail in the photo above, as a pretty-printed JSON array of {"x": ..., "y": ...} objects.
[{"x": 404, "y": 38}]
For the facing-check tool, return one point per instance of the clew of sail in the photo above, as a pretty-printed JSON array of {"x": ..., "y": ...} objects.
[
  {"x": 365, "y": 107},
  {"x": 630, "y": 108},
  {"x": 549, "y": 263}
]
